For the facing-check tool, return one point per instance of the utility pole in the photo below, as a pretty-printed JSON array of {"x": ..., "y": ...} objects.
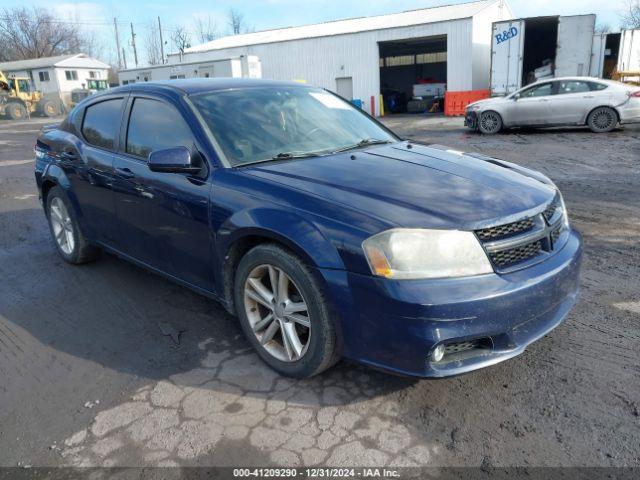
[
  {"x": 133, "y": 44},
  {"x": 161, "y": 41},
  {"x": 124, "y": 57},
  {"x": 115, "y": 26}
]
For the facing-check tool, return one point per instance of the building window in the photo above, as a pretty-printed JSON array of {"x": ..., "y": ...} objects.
[
  {"x": 71, "y": 74},
  {"x": 437, "y": 57},
  {"x": 399, "y": 60},
  {"x": 92, "y": 74},
  {"x": 44, "y": 76},
  {"x": 175, "y": 77}
]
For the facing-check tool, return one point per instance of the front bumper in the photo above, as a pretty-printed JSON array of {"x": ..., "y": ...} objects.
[
  {"x": 395, "y": 325},
  {"x": 471, "y": 119}
]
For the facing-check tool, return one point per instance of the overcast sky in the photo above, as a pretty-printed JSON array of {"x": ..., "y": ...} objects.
[{"x": 278, "y": 13}]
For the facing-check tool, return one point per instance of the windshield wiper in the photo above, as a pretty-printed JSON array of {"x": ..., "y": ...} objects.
[
  {"x": 293, "y": 155},
  {"x": 363, "y": 143}
]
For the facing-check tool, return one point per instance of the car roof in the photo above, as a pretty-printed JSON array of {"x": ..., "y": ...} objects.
[{"x": 191, "y": 86}]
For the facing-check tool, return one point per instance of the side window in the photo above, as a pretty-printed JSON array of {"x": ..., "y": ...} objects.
[
  {"x": 572, "y": 86},
  {"x": 102, "y": 123},
  {"x": 538, "y": 91},
  {"x": 595, "y": 86},
  {"x": 155, "y": 125}
]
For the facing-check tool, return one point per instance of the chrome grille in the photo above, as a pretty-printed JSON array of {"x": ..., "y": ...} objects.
[
  {"x": 515, "y": 243},
  {"x": 516, "y": 255},
  {"x": 550, "y": 211},
  {"x": 504, "y": 231}
]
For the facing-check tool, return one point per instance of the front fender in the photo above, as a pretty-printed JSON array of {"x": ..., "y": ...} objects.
[{"x": 289, "y": 228}]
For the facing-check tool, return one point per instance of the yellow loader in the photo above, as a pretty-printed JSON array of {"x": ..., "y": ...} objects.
[{"x": 18, "y": 99}]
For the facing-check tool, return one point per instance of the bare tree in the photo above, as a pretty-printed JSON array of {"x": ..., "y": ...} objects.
[
  {"x": 35, "y": 32},
  {"x": 153, "y": 45},
  {"x": 630, "y": 18},
  {"x": 181, "y": 38},
  {"x": 206, "y": 29},
  {"x": 236, "y": 21}
]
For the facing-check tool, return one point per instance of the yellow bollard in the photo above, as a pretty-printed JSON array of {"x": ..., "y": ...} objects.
[{"x": 381, "y": 106}]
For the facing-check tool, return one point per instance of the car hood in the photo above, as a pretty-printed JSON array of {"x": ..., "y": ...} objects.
[
  {"x": 416, "y": 186},
  {"x": 489, "y": 101}
]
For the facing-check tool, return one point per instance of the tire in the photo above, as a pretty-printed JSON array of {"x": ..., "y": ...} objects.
[
  {"x": 602, "y": 120},
  {"x": 316, "y": 345},
  {"x": 16, "y": 111},
  {"x": 50, "y": 109},
  {"x": 65, "y": 231},
  {"x": 490, "y": 122}
]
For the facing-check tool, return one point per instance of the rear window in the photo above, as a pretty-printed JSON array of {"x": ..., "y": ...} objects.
[
  {"x": 102, "y": 123},
  {"x": 597, "y": 86}
]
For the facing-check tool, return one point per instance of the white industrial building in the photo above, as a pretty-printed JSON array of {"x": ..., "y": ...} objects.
[
  {"x": 57, "y": 77},
  {"x": 359, "y": 58}
]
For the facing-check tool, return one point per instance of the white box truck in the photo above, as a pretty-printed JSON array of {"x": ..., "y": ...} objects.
[
  {"x": 560, "y": 44},
  {"x": 616, "y": 52}
]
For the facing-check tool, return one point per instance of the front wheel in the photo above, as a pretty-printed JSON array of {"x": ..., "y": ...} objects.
[
  {"x": 284, "y": 313},
  {"x": 602, "y": 120},
  {"x": 490, "y": 122},
  {"x": 70, "y": 242},
  {"x": 16, "y": 111}
]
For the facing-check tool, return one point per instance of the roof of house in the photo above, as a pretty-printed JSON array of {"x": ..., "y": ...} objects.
[
  {"x": 76, "y": 60},
  {"x": 352, "y": 25}
]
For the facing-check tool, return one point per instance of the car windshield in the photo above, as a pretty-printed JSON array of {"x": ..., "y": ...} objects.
[{"x": 266, "y": 123}]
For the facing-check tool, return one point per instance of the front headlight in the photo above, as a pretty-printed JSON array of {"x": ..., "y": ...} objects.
[
  {"x": 565, "y": 214},
  {"x": 416, "y": 253}
]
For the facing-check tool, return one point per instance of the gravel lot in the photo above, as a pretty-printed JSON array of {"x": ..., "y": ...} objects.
[{"x": 87, "y": 376}]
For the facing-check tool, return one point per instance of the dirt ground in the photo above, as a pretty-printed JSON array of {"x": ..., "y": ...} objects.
[{"x": 87, "y": 376}]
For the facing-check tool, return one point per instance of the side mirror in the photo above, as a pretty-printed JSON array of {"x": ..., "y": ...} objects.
[
  {"x": 515, "y": 98},
  {"x": 174, "y": 160}
]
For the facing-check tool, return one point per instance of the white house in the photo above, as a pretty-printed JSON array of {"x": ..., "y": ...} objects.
[{"x": 57, "y": 76}]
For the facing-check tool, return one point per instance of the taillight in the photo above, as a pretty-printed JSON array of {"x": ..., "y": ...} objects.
[{"x": 635, "y": 94}]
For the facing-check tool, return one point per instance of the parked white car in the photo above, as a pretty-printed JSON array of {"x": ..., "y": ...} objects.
[{"x": 600, "y": 104}]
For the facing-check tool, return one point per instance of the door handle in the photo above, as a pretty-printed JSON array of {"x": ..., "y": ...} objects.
[
  {"x": 125, "y": 173},
  {"x": 588, "y": 96}
]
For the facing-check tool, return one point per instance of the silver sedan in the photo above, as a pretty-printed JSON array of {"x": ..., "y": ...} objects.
[{"x": 599, "y": 104}]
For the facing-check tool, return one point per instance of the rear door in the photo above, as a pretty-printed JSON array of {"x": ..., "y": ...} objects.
[
  {"x": 507, "y": 49},
  {"x": 575, "y": 38},
  {"x": 92, "y": 163},
  {"x": 574, "y": 99},
  {"x": 163, "y": 217}
]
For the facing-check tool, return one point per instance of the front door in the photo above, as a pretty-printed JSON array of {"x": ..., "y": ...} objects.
[
  {"x": 532, "y": 105},
  {"x": 163, "y": 217}
]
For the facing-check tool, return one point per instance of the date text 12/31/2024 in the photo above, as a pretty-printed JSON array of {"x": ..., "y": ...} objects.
[{"x": 318, "y": 472}]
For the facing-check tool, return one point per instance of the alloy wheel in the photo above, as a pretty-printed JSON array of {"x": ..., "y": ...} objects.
[
  {"x": 603, "y": 119},
  {"x": 490, "y": 122},
  {"x": 277, "y": 313},
  {"x": 62, "y": 226}
]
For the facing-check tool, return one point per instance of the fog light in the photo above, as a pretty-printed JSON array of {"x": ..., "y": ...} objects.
[{"x": 438, "y": 353}]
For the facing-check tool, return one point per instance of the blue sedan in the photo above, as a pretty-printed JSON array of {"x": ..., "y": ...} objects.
[{"x": 326, "y": 234}]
